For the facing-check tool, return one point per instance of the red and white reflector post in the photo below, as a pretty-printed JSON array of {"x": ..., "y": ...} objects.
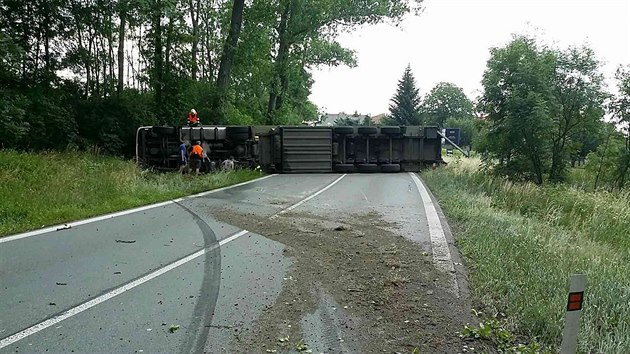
[{"x": 577, "y": 283}]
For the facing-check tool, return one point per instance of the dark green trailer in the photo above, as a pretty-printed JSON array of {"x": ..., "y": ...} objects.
[{"x": 296, "y": 149}]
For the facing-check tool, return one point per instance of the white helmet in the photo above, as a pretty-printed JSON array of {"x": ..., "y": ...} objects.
[{"x": 193, "y": 111}]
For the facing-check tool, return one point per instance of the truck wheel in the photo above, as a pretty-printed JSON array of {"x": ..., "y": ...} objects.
[
  {"x": 343, "y": 168},
  {"x": 390, "y": 168},
  {"x": 367, "y": 130},
  {"x": 390, "y": 130},
  {"x": 368, "y": 168},
  {"x": 237, "y": 133},
  {"x": 343, "y": 130}
]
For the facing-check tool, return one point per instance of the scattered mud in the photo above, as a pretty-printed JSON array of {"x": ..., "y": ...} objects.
[{"x": 355, "y": 287}]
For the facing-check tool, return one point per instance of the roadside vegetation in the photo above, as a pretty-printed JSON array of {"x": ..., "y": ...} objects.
[
  {"x": 53, "y": 187},
  {"x": 521, "y": 242}
]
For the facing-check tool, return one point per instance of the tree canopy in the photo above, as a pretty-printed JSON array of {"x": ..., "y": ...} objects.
[
  {"x": 541, "y": 104},
  {"x": 405, "y": 106},
  {"x": 88, "y": 73},
  {"x": 444, "y": 101}
]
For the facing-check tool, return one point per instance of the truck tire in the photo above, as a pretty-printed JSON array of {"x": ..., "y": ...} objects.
[
  {"x": 237, "y": 133},
  {"x": 368, "y": 168},
  {"x": 390, "y": 168},
  {"x": 163, "y": 130},
  {"x": 343, "y": 168},
  {"x": 367, "y": 130},
  {"x": 390, "y": 130},
  {"x": 343, "y": 130}
]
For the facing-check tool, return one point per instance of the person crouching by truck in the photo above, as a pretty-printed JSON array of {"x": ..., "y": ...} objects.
[
  {"x": 193, "y": 118},
  {"x": 196, "y": 156},
  {"x": 183, "y": 158}
]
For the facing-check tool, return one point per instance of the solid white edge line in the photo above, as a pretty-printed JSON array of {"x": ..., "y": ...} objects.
[
  {"x": 100, "y": 299},
  {"x": 121, "y": 213},
  {"x": 308, "y": 198},
  {"x": 439, "y": 245}
]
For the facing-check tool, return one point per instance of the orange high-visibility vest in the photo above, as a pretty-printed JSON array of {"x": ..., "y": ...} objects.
[
  {"x": 192, "y": 118},
  {"x": 197, "y": 150}
]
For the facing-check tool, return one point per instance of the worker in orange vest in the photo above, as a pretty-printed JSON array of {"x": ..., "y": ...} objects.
[
  {"x": 196, "y": 156},
  {"x": 193, "y": 119}
]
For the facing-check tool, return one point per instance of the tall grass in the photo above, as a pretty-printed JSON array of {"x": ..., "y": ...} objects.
[
  {"x": 522, "y": 242},
  {"x": 50, "y": 188}
]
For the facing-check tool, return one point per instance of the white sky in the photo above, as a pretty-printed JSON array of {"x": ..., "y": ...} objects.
[{"x": 450, "y": 41}]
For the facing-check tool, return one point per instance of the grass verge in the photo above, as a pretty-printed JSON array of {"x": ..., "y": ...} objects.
[
  {"x": 51, "y": 188},
  {"x": 521, "y": 242}
]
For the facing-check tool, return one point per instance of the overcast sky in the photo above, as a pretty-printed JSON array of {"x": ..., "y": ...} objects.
[{"x": 450, "y": 41}]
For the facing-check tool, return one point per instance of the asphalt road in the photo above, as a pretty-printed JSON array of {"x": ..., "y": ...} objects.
[{"x": 124, "y": 284}]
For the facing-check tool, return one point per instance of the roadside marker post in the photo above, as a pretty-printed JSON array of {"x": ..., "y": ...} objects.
[{"x": 577, "y": 283}]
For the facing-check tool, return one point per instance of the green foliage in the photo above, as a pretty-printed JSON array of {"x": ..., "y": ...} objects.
[
  {"x": 578, "y": 89},
  {"x": 71, "y": 186},
  {"x": 542, "y": 105},
  {"x": 88, "y": 73},
  {"x": 405, "y": 107},
  {"x": 609, "y": 166},
  {"x": 517, "y": 88},
  {"x": 620, "y": 105},
  {"x": 522, "y": 241},
  {"x": 445, "y": 101}
]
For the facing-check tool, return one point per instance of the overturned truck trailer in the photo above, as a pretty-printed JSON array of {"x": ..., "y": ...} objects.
[{"x": 296, "y": 149}]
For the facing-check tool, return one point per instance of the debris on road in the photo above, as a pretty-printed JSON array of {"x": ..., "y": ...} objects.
[
  {"x": 117, "y": 273},
  {"x": 376, "y": 277},
  {"x": 52, "y": 304},
  {"x": 125, "y": 241},
  {"x": 64, "y": 227},
  {"x": 173, "y": 328},
  {"x": 58, "y": 283}
]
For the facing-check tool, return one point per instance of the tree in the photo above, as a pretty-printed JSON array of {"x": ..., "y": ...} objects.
[
  {"x": 620, "y": 108},
  {"x": 544, "y": 105},
  {"x": 306, "y": 32},
  {"x": 446, "y": 101},
  {"x": 579, "y": 97},
  {"x": 610, "y": 163},
  {"x": 620, "y": 105},
  {"x": 88, "y": 72},
  {"x": 405, "y": 107},
  {"x": 517, "y": 90},
  {"x": 227, "y": 58}
]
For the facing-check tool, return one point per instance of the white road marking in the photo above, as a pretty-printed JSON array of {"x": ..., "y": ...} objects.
[
  {"x": 121, "y": 213},
  {"x": 439, "y": 246},
  {"x": 91, "y": 303},
  {"x": 307, "y": 198}
]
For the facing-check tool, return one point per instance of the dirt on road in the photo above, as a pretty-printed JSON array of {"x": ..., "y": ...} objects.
[{"x": 355, "y": 287}]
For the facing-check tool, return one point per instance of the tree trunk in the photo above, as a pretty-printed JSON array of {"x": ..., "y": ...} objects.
[
  {"x": 121, "y": 48},
  {"x": 194, "y": 17},
  {"x": 168, "y": 47},
  {"x": 158, "y": 63},
  {"x": 601, "y": 162},
  {"x": 210, "y": 73},
  {"x": 227, "y": 58},
  {"x": 276, "y": 84},
  {"x": 47, "y": 36}
]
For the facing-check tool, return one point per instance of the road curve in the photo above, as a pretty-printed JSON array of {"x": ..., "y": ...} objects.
[{"x": 173, "y": 278}]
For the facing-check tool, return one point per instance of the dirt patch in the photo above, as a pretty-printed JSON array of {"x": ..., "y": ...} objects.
[{"x": 355, "y": 287}]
